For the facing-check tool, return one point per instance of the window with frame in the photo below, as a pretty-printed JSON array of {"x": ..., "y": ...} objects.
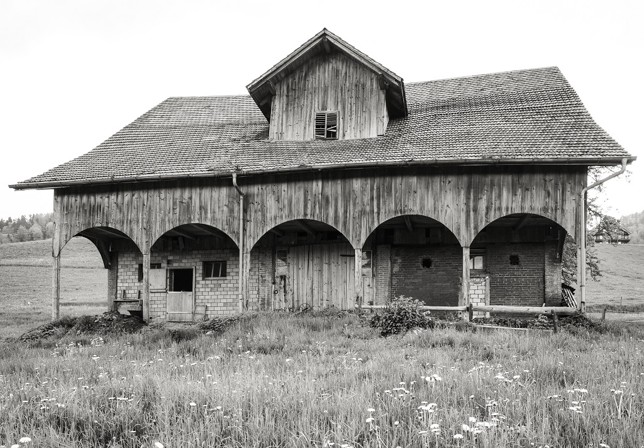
[
  {"x": 477, "y": 259},
  {"x": 214, "y": 269},
  {"x": 326, "y": 125}
]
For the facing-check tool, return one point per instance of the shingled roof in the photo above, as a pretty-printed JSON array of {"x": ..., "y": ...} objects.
[{"x": 520, "y": 117}]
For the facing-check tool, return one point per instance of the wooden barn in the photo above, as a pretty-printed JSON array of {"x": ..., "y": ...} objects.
[{"x": 334, "y": 183}]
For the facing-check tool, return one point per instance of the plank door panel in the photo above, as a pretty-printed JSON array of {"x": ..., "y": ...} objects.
[
  {"x": 180, "y": 306},
  {"x": 319, "y": 276}
]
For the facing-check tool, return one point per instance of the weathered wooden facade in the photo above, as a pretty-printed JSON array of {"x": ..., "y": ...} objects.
[{"x": 335, "y": 184}]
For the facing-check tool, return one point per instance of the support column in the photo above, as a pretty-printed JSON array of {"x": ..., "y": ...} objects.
[
  {"x": 358, "y": 277},
  {"x": 245, "y": 273},
  {"x": 112, "y": 280},
  {"x": 146, "y": 287},
  {"x": 55, "y": 309},
  {"x": 464, "y": 299}
]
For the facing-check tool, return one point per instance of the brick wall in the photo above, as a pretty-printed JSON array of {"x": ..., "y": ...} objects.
[
  {"x": 478, "y": 294},
  {"x": 521, "y": 284},
  {"x": 436, "y": 285},
  {"x": 382, "y": 273},
  {"x": 218, "y": 295}
]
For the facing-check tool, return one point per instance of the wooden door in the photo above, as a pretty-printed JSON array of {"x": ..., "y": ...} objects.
[
  {"x": 180, "y": 298},
  {"x": 319, "y": 276}
]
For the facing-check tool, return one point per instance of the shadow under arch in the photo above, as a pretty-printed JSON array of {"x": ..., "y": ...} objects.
[
  {"x": 569, "y": 228},
  {"x": 106, "y": 240},
  {"x": 416, "y": 216},
  {"x": 190, "y": 227},
  {"x": 414, "y": 256},
  {"x": 301, "y": 263},
  {"x": 520, "y": 257}
]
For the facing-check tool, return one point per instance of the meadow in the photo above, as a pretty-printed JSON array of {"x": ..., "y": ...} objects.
[{"x": 324, "y": 380}]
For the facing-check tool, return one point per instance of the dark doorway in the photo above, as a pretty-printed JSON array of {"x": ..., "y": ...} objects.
[{"x": 181, "y": 280}]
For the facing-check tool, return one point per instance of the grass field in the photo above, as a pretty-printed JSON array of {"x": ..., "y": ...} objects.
[
  {"x": 26, "y": 281},
  {"x": 622, "y": 280},
  {"x": 277, "y": 380}
]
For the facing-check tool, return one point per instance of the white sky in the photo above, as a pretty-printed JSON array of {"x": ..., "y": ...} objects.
[{"x": 74, "y": 72}]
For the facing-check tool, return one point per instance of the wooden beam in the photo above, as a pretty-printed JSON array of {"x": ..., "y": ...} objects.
[
  {"x": 146, "y": 287},
  {"x": 183, "y": 234},
  {"x": 109, "y": 232},
  {"x": 327, "y": 46},
  {"x": 55, "y": 290},
  {"x": 464, "y": 299},
  {"x": 408, "y": 224},
  {"x": 522, "y": 222},
  {"x": 304, "y": 226},
  {"x": 277, "y": 232},
  {"x": 358, "y": 277},
  {"x": 208, "y": 230}
]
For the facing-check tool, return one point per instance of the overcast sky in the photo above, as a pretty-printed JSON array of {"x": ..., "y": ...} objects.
[{"x": 75, "y": 72}]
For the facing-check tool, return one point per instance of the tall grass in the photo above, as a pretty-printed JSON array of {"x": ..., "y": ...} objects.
[{"x": 284, "y": 380}]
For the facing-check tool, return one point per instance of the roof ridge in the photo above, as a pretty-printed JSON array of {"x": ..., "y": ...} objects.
[{"x": 481, "y": 75}]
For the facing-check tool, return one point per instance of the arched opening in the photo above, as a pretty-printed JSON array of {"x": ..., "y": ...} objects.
[
  {"x": 302, "y": 263},
  {"x": 412, "y": 256},
  {"x": 194, "y": 273},
  {"x": 520, "y": 260},
  {"x": 85, "y": 287}
]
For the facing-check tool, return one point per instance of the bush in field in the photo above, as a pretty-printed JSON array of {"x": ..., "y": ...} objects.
[{"x": 400, "y": 315}]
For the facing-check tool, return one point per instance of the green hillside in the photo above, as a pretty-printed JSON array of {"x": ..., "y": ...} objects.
[{"x": 622, "y": 279}]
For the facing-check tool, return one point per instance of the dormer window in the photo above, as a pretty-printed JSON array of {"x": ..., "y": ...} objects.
[{"x": 326, "y": 125}]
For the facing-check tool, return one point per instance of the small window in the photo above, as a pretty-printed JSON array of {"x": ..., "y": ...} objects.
[
  {"x": 477, "y": 259},
  {"x": 152, "y": 266},
  {"x": 214, "y": 269},
  {"x": 426, "y": 263},
  {"x": 514, "y": 260},
  {"x": 326, "y": 125}
]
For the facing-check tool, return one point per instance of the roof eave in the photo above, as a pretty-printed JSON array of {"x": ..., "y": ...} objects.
[{"x": 610, "y": 161}]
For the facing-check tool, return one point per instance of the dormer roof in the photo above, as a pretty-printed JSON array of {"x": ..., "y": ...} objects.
[{"x": 262, "y": 89}]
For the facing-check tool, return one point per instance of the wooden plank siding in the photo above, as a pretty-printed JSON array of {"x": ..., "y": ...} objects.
[
  {"x": 329, "y": 82},
  {"x": 354, "y": 202}
]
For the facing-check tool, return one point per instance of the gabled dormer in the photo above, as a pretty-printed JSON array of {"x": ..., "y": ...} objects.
[{"x": 327, "y": 89}]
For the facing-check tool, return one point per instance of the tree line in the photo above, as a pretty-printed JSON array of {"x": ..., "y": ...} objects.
[
  {"x": 34, "y": 227},
  {"x": 635, "y": 225}
]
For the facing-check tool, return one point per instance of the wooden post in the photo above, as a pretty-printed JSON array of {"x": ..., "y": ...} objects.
[
  {"x": 555, "y": 322},
  {"x": 464, "y": 299},
  {"x": 55, "y": 308},
  {"x": 604, "y": 314},
  {"x": 470, "y": 312},
  {"x": 358, "y": 278},
  {"x": 146, "y": 287},
  {"x": 112, "y": 281}
]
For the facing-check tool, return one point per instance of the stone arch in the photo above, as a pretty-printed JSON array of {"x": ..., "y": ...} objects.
[
  {"x": 521, "y": 257},
  {"x": 416, "y": 256},
  {"x": 301, "y": 263}
]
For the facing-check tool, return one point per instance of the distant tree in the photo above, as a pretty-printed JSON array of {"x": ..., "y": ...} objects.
[
  {"x": 49, "y": 229},
  {"x": 35, "y": 232},
  {"x": 22, "y": 234}
]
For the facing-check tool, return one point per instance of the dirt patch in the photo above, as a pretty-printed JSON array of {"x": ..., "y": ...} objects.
[{"x": 110, "y": 323}]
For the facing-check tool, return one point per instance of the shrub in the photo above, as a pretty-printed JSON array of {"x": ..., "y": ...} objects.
[{"x": 400, "y": 315}]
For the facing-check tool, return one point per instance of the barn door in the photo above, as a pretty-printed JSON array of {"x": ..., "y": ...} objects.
[{"x": 180, "y": 303}]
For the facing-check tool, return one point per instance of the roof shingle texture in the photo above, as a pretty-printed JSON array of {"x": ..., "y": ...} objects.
[{"x": 526, "y": 116}]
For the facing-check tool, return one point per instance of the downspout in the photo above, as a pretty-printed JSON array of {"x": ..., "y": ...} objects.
[
  {"x": 240, "y": 288},
  {"x": 581, "y": 261}
]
